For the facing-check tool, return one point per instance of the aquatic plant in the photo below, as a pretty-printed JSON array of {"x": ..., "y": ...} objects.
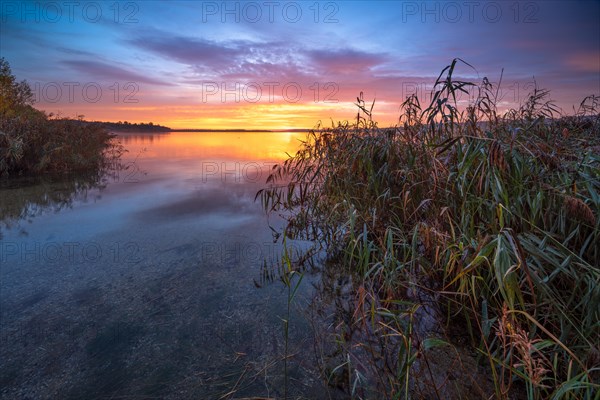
[{"x": 494, "y": 218}]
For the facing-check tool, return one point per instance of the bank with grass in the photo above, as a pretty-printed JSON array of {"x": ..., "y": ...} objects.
[
  {"x": 492, "y": 219},
  {"x": 33, "y": 142}
]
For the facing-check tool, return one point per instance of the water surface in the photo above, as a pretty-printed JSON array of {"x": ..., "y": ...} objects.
[{"x": 145, "y": 282}]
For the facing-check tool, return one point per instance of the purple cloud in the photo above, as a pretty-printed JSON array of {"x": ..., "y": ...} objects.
[
  {"x": 100, "y": 70},
  {"x": 345, "y": 61},
  {"x": 196, "y": 52}
]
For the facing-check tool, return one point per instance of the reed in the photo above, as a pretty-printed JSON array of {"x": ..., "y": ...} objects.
[
  {"x": 492, "y": 216},
  {"x": 291, "y": 278}
]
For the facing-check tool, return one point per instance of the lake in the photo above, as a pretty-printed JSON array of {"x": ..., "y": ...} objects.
[{"x": 149, "y": 281}]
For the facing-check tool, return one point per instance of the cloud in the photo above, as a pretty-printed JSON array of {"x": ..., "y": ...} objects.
[
  {"x": 345, "y": 61},
  {"x": 100, "y": 70},
  {"x": 230, "y": 61},
  {"x": 67, "y": 50},
  {"x": 191, "y": 51},
  {"x": 584, "y": 62},
  {"x": 250, "y": 61}
]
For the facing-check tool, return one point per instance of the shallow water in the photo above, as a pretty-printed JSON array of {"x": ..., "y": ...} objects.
[{"x": 144, "y": 282}]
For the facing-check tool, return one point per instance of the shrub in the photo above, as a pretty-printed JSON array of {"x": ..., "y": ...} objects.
[{"x": 33, "y": 142}]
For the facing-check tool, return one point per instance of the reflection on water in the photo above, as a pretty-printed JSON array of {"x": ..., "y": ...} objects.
[
  {"x": 24, "y": 198},
  {"x": 136, "y": 138},
  {"x": 141, "y": 283}
]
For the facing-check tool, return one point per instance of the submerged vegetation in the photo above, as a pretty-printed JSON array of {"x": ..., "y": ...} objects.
[
  {"x": 489, "y": 221},
  {"x": 32, "y": 142}
]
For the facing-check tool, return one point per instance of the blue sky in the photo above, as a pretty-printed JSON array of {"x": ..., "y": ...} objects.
[{"x": 289, "y": 64}]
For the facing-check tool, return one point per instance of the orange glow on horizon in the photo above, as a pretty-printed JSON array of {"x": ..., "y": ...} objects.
[
  {"x": 223, "y": 116},
  {"x": 244, "y": 146}
]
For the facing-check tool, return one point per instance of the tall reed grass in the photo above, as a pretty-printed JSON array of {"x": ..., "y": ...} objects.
[{"x": 494, "y": 217}]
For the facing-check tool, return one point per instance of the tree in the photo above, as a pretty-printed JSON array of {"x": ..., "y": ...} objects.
[{"x": 13, "y": 94}]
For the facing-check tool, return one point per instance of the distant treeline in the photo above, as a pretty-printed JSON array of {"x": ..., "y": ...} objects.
[{"x": 127, "y": 126}]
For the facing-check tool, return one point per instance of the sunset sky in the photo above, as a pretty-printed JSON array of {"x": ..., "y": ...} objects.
[{"x": 279, "y": 65}]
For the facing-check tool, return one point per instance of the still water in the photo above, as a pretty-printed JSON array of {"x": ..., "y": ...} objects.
[{"x": 146, "y": 282}]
